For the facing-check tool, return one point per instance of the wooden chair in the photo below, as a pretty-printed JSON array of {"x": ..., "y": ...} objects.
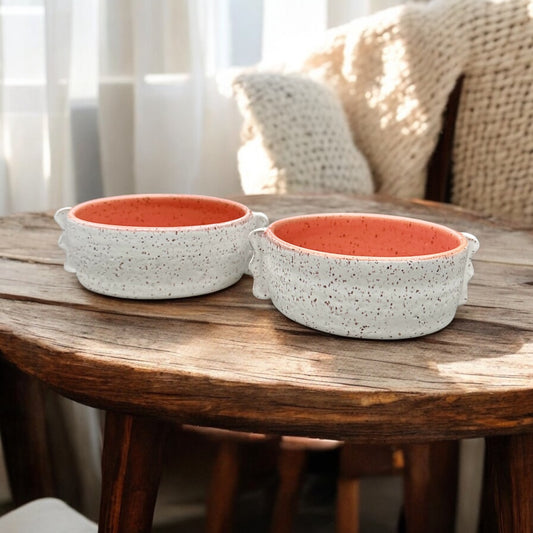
[
  {"x": 28, "y": 463},
  {"x": 23, "y": 430}
]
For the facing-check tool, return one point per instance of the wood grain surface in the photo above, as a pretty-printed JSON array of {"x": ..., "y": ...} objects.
[{"x": 230, "y": 360}]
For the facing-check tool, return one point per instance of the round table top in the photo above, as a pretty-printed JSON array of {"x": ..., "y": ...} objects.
[{"x": 230, "y": 360}]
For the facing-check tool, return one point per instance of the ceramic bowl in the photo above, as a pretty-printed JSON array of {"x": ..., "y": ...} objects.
[
  {"x": 157, "y": 246},
  {"x": 363, "y": 275}
]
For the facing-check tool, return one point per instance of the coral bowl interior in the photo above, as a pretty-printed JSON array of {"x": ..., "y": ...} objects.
[
  {"x": 367, "y": 235},
  {"x": 158, "y": 211}
]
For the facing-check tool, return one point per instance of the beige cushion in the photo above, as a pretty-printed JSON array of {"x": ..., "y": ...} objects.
[
  {"x": 46, "y": 515},
  {"x": 296, "y": 137}
]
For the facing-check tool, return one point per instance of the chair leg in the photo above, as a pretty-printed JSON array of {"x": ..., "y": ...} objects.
[
  {"x": 430, "y": 487},
  {"x": 223, "y": 488},
  {"x": 357, "y": 461},
  {"x": 488, "y": 519},
  {"x": 347, "y": 512},
  {"x": 22, "y": 422},
  {"x": 291, "y": 468}
]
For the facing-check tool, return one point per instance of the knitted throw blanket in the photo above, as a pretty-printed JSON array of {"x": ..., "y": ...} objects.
[{"x": 394, "y": 72}]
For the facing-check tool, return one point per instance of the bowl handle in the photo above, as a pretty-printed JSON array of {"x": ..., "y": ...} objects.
[
  {"x": 473, "y": 247},
  {"x": 61, "y": 218},
  {"x": 257, "y": 266},
  {"x": 259, "y": 220}
]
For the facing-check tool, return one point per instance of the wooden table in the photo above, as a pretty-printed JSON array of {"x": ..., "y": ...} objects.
[{"x": 232, "y": 361}]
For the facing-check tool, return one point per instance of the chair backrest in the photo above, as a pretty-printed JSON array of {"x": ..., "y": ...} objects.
[{"x": 440, "y": 168}]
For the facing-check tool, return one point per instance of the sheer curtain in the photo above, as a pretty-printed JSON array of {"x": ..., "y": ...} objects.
[
  {"x": 121, "y": 96},
  {"x": 113, "y": 97}
]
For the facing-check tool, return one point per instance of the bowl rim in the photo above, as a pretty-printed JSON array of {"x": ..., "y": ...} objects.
[
  {"x": 332, "y": 255},
  {"x": 198, "y": 227}
]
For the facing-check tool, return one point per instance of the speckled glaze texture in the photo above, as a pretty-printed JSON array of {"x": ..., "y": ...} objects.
[
  {"x": 393, "y": 294},
  {"x": 124, "y": 247}
]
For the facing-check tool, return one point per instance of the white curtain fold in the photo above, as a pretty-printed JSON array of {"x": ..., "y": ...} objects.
[
  {"x": 56, "y": 139},
  {"x": 5, "y": 195},
  {"x": 162, "y": 119}
]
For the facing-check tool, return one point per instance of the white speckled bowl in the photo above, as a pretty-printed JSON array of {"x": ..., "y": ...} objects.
[
  {"x": 363, "y": 275},
  {"x": 157, "y": 245}
]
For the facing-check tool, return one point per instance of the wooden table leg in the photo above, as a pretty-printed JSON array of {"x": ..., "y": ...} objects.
[
  {"x": 23, "y": 427},
  {"x": 508, "y": 492},
  {"x": 430, "y": 486},
  {"x": 131, "y": 471}
]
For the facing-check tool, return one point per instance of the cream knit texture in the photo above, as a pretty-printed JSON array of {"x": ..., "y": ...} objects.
[
  {"x": 296, "y": 137},
  {"x": 394, "y": 71}
]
